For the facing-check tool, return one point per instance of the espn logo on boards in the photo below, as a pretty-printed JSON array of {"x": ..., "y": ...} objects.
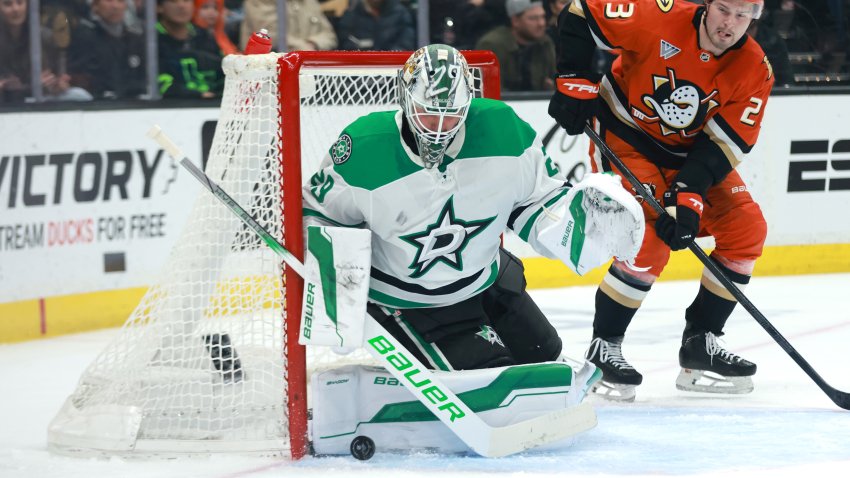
[{"x": 823, "y": 169}]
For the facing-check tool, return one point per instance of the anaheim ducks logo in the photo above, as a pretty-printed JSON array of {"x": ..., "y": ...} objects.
[{"x": 678, "y": 106}]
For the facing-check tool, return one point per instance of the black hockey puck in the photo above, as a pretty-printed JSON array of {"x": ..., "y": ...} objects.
[{"x": 362, "y": 448}]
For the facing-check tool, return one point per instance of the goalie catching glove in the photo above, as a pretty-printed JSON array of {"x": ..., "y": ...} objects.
[{"x": 597, "y": 219}]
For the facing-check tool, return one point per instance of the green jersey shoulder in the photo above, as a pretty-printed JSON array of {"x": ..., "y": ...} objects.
[
  {"x": 368, "y": 153},
  {"x": 494, "y": 129}
]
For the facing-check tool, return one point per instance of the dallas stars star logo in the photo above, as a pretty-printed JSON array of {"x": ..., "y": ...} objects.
[
  {"x": 487, "y": 333},
  {"x": 443, "y": 241}
]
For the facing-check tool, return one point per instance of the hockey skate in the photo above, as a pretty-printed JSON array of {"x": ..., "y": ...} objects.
[
  {"x": 708, "y": 367},
  {"x": 619, "y": 378}
]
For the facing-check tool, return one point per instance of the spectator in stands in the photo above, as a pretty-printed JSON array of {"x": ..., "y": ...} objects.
[
  {"x": 75, "y": 9},
  {"x": 105, "y": 56},
  {"x": 334, "y": 9},
  {"x": 15, "y": 59},
  {"x": 477, "y": 17},
  {"x": 801, "y": 23},
  {"x": 234, "y": 14},
  {"x": 377, "y": 25},
  {"x": 774, "y": 47},
  {"x": 210, "y": 16},
  {"x": 832, "y": 39},
  {"x": 553, "y": 9},
  {"x": 206, "y": 13},
  {"x": 134, "y": 18},
  {"x": 442, "y": 20},
  {"x": 526, "y": 53},
  {"x": 307, "y": 28},
  {"x": 189, "y": 59}
]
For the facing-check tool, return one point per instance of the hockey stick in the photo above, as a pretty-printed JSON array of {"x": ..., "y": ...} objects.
[
  {"x": 165, "y": 142},
  {"x": 842, "y": 399},
  {"x": 482, "y": 438}
]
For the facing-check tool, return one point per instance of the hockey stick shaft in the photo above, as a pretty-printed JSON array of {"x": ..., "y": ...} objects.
[
  {"x": 175, "y": 152},
  {"x": 422, "y": 383},
  {"x": 842, "y": 399}
]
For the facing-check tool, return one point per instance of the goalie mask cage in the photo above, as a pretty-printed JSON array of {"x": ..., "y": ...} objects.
[{"x": 209, "y": 361}]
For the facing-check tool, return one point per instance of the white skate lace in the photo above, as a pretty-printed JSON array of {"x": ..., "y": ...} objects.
[
  {"x": 712, "y": 348},
  {"x": 610, "y": 352}
]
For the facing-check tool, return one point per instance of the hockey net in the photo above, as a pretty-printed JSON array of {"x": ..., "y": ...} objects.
[{"x": 209, "y": 361}]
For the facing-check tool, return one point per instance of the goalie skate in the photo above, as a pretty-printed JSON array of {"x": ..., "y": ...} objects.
[{"x": 708, "y": 367}]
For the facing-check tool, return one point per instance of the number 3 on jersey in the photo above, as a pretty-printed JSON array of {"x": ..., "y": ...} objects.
[{"x": 619, "y": 10}]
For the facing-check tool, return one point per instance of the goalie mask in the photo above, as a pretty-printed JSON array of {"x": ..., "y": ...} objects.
[{"x": 434, "y": 91}]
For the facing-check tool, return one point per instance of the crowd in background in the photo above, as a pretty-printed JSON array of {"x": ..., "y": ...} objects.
[{"x": 96, "y": 49}]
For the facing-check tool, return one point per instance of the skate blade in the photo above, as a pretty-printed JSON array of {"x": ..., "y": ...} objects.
[
  {"x": 691, "y": 380},
  {"x": 616, "y": 392}
]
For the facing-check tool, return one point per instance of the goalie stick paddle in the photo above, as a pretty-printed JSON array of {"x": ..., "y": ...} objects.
[
  {"x": 482, "y": 438},
  {"x": 842, "y": 399}
]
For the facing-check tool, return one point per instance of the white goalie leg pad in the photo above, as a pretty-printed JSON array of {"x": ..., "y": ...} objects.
[
  {"x": 336, "y": 286},
  {"x": 587, "y": 375},
  {"x": 358, "y": 400},
  {"x": 598, "y": 219}
]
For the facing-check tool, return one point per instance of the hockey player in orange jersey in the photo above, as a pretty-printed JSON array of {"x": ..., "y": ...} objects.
[{"x": 682, "y": 105}]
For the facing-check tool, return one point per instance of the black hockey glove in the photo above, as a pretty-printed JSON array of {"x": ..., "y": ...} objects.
[
  {"x": 574, "y": 100},
  {"x": 679, "y": 227}
]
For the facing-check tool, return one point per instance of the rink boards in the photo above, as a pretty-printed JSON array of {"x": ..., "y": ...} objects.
[{"x": 91, "y": 208}]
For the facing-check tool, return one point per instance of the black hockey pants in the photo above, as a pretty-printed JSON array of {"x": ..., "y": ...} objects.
[{"x": 500, "y": 326}]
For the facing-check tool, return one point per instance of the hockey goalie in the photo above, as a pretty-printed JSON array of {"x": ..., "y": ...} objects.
[{"x": 413, "y": 203}]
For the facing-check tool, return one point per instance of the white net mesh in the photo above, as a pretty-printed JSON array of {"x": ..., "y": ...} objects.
[{"x": 200, "y": 365}]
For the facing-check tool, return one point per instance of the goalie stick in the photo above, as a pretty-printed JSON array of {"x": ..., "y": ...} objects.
[
  {"x": 842, "y": 399},
  {"x": 482, "y": 438}
]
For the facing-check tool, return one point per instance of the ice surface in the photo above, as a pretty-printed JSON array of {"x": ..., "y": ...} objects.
[{"x": 786, "y": 427}]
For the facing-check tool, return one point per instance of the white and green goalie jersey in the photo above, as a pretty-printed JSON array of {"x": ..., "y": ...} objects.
[{"x": 435, "y": 232}]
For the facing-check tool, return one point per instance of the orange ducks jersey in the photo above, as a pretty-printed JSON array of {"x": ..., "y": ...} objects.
[{"x": 664, "y": 94}]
